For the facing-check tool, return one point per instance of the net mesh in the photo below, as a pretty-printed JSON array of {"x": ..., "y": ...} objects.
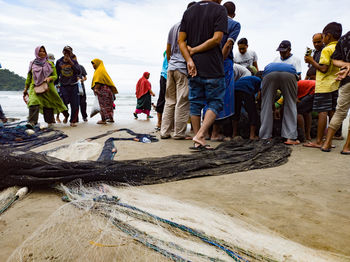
[{"x": 105, "y": 223}]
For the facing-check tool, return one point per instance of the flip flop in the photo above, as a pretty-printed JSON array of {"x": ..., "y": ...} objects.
[
  {"x": 312, "y": 145},
  {"x": 326, "y": 149},
  {"x": 201, "y": 147},
  {"x": 345, "y": 153}
]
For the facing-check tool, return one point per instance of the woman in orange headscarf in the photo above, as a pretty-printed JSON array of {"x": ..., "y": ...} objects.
[
  {"x": 104, "y": 88},
  {"x": 143, "y": 94}
]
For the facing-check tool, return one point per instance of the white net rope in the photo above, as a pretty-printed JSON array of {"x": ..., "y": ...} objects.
[{"x": 106, "y": 223}]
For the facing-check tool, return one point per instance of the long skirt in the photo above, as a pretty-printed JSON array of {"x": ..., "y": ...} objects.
[
  {"x": 144, "y": 104},
  {"x": 105, "y": 99}
]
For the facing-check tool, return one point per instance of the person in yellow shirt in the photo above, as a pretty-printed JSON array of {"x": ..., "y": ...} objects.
[{"x": 326, "y": 90}]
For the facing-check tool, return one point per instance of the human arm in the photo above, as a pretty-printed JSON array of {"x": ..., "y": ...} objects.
[
  {"x": 345, "y": 69},
  {"x": 256, "y": 65},
  {"x": 207, "y": 45},
  {"x": 191, "y": 67},
  {"x": 53, "y": 76},
  {"x": 231, "y": 40},
  {"x": 96, "y": 88},
  {"x": 151, "y": 92},
  {"x": 319, "y": 67},
  {"x": 227, "y": 48},
  {"x": 27, "y": 83}
]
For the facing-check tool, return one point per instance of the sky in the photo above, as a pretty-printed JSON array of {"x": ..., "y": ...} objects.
[{"x": 131, "y": 36}]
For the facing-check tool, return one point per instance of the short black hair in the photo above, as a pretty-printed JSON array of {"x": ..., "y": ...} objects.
[
  {"x": 259, "y": 74},
  {"x": 191, "y": 4},
  {"x": 335, "y": 29},
  {"x": 243, "y": 41},
  {"x": 230, "y": 8}
]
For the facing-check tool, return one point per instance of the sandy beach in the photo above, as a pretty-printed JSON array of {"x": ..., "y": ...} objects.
[{"x": 306, "y": 200}]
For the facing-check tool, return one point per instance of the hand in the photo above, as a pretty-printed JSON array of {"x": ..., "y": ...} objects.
[
  {"x": 48, "y": 80},
  {"x": 67, "y": 58},
  {"x": 344, "y": 72},
  {"x": 25, "y": 92},
  {"x": 191, "y": 68},
  {"x": 190, "y": 50},
  {"x": 308, "y": 59}
]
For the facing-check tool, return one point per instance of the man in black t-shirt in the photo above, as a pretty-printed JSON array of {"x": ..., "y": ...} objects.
[
  {"x": 341, "y": 58},
  {"x": 202, "y": 28}
]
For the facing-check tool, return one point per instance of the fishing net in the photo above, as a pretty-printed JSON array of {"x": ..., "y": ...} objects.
[
  {"x": 16, "y": 135},
  {"x": 105, "y": 223},
  {"x": 33, "y": 169}
]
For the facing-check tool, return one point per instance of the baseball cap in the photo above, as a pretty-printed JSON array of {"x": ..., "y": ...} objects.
[
  {"x": 67, "y": 47},
  {"x": 284, "y": 46}
]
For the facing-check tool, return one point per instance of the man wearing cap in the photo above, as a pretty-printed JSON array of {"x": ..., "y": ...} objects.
[
  {"x": 68, "y": 71},
  {"x": 287, "y": 57}
]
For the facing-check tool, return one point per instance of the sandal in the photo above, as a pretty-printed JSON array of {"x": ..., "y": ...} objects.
[
  {"x": 101, "y": 122},
  {"x": 200, "y": 147}
]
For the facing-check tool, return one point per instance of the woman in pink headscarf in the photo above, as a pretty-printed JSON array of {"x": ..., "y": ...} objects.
[
  {"x": 48, "y": 103},
  {"x": 143, "y": 94}
]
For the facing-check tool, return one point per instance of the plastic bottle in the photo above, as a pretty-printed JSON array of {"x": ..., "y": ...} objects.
[{"x": 146, "y": 140}]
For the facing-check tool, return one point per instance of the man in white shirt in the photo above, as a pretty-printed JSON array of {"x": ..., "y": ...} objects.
[
  {"x": 287, "y": 57},
  {"x": 245, "y": 57}
]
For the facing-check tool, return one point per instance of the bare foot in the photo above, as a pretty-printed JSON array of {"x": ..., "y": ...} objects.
[
  {"x": 200, "y": 141},
  {"x": 58, "y": 120},
  {"x": 65, "y": 120},
  {"x": 254, "y": 138},
  {"x": 73, "y": 124},
  {"x": 101, "y": 122},
  {"x": 292, "y": 142}
]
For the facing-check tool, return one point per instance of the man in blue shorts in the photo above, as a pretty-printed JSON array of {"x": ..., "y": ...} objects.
[{"x": 205, "y": 64}]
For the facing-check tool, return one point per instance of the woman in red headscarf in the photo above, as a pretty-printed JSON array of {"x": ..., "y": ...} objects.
[{"x": 143, "y": 94}]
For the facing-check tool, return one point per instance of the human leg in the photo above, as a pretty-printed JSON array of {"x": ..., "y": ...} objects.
[
  {"x": 249, "y": 102},
  {"x": 83, "y": 106},
  {"x": 214, "y": 94},
  {"x": 48, "y": 115},
  {"x": 33, "y": 115},
  {"x": 289, "y": 88},
  {"x": 169, "y": 107},
  {"x": 105, "y": 99},
  {"x": 197, "y": 101},
  {"x": 268, "y": 90},
  {"x": 161, "y": 99},
  {"x": 238, "y": 108},
  {"x": 182, "y": 107},
  {"x": 340, "y": 114}
]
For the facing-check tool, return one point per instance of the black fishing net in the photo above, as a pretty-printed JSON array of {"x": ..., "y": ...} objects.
[{"x": 33, "y": 169}]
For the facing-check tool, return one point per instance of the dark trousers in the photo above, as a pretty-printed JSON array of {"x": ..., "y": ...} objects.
[
  {"x": 161, "y": 97},
  {"x": 83, "y": 105},
  {"x": 248, "y": 102},
  {"x": 34, "y": 115},
  {"x": 70, "y": 95}
]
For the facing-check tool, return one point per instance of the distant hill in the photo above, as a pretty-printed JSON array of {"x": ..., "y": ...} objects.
[{"x": 9, "y": 81}]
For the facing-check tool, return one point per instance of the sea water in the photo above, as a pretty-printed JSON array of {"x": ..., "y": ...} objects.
[{"x": 14, "y": 106}]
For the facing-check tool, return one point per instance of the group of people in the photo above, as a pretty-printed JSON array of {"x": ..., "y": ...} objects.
[
  {"x": 50, "y": 88},
  {"x": 202, "y": 79}
]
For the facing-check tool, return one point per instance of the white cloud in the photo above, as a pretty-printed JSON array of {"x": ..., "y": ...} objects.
[{"x": 130, "y": 36}]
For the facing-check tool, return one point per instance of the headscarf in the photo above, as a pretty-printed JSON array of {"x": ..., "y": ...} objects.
[
  {"x": 40, "y": 67},
  {"x": 101, "y": 76},
  {"x": 143, "y": 85}
]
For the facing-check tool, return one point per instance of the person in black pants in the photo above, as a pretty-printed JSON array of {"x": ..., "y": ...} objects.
[
  {"x": 82, "y": 94},
  {"x": 245, "y": 90}
]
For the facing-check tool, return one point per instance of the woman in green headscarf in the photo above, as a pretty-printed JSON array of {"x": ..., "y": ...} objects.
[{"x": 104, "y": 88}]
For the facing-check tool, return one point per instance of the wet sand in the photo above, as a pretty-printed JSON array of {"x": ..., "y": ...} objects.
[{"x": 306, "y": 200}]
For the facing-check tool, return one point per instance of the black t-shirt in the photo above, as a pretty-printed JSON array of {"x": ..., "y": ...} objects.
[
  {"x": 200, "y": 22},
  {"x": 342, "y": 52}
]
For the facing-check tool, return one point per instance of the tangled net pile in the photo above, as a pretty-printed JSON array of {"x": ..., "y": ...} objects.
[
  {"x": 15, "y": 136},
  {"x": 104, "y": 223}
]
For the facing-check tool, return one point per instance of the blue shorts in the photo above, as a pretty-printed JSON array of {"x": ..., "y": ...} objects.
[{"x": 208, "y": 92}]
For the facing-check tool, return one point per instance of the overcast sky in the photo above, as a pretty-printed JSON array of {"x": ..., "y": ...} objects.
[{"x": 130, "y": 36}]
